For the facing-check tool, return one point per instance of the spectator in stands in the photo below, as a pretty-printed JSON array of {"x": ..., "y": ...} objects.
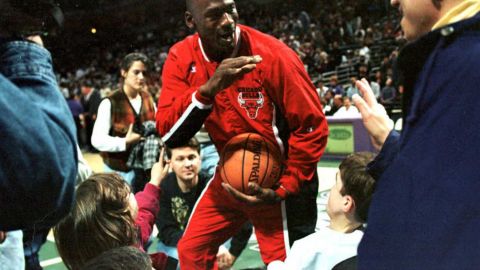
[
  {"x": 429, "y": 174},
  {"x": 335, "y": 87},
  {"x": 336, "y": 105},
  {"x": 90, "y": 101},
  {"x": 388, "y": 93},
  {"x": 107, "y": 215},
  {"x": 180, "y": 190},
  {"x": 347, "y": 209},
  {"x": 76, "y": 109},
  {"x": 347, "y": 110},
  {"x": 121, "y": 116},
  {"x": 352, "y": 88},
  {"x": 321, "y": 88}
]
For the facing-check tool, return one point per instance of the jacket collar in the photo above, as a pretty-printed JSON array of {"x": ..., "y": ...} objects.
[{"x": 414, "y": 55}]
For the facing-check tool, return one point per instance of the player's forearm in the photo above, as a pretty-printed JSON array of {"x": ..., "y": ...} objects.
[{"x": 178, "y": 121}]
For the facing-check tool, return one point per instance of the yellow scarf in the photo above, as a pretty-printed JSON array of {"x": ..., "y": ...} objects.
[{"x": 462, "y": 11}]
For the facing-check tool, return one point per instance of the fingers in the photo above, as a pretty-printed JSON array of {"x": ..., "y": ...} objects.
[
  {"x": 242, "y": 61},
  {"x": 239, "y": 195},
  {"x": 166, "y": 167},
  {"x": 367, "y": 92},
  {"x": 161, "y": 157},
  {"x": 361, "y": 106},
  {"x": 242, "y": 64},
  {"x": 254, "y": 188}
]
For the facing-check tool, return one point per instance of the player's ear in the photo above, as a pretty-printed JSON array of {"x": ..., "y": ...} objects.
[{"x": 189, "y": 20}]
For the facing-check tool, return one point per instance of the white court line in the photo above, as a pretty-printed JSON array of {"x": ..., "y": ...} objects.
[{"x": 50, "y": 262}]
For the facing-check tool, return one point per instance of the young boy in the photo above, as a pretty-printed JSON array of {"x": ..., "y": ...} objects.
[{"x": 347, "y": 208}]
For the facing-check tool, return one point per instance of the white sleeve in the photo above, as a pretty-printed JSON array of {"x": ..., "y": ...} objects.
[
  {"x": 276, "y": 265},
  {"x": 84, "y": 170},
  {"x": 100, "y": 138}
]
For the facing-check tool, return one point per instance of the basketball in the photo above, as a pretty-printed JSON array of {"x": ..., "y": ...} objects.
[{"x": 248, "y": 158}]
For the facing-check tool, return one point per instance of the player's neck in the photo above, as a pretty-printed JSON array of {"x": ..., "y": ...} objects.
[{"x": 216, "y": 56}]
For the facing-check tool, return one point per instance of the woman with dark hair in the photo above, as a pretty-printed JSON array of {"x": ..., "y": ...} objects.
[
  {"x": 106, "y": 215},
  {"x": 121, "y": 114}
]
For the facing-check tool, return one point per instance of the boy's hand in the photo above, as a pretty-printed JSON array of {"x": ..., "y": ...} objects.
[{"x": 159, "y": 170}]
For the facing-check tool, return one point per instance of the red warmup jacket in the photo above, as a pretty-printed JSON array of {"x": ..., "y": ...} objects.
[{"x": 276, "y": 100}]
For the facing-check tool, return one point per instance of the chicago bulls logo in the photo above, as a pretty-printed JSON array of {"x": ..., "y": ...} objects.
[{"x": 251, "y": 102}]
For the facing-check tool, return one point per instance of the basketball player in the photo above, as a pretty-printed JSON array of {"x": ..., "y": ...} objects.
[
  {"x": 235, "y": 79},
  {"x": 425, "y": 212}
]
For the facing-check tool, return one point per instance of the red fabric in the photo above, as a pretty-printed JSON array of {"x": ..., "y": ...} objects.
[
  {"x": 210, "y": 226},
  {"x": 159, "y": 260},
  {"x": 148, "y": 206}
]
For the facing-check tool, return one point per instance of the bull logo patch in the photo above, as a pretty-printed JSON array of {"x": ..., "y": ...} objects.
[{"x": 251, "y": 102}]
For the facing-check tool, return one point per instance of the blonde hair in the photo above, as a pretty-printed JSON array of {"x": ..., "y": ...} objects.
[{"x": 99, "y": 220}]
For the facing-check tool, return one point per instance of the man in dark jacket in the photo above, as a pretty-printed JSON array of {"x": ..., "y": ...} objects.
[
  {"x": 180, "y": 191},
  {"x": 425, "y": 214}
]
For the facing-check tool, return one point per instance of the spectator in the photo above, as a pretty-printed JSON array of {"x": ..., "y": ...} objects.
[
  {"x": 39, "y": 129},
  {"x": 388, "y": 93},
  {"x": 180, "y": 190},
  {"x": 347, "y": 209},
  {"x": 428, "y": 174},
  {"x": 352, "y": 88},
  {"x": 337, "y": 104},
  {"x": 125, "y": 257},
  {"x": 76, "y": 109},
  {"x": 121, "y": 116},
  {"x": 39, "y": 137},
  {"x": 107, "y": 215},
  {"x": 347, "y": 110},
  {"x": 336, "y": 88},
  {"x": 90, "y": 101},
  {"x": 321, "y": 88}
]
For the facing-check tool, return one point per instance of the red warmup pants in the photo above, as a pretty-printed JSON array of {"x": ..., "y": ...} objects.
[{"x": 217, "y": 216}]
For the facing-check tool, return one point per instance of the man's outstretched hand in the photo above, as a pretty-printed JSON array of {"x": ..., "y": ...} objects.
[{"x": 230, "y": 70}]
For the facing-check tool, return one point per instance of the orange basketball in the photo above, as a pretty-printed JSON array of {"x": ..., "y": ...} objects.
[{"x": 248, "y": 158}]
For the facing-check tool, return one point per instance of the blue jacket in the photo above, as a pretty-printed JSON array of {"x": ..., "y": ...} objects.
[
  {"x": 38, "y": 160},
  {"x": 425, "y": 213}
]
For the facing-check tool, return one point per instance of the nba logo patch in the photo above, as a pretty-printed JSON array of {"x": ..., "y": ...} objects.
[{"x": 251, "y": 102}]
